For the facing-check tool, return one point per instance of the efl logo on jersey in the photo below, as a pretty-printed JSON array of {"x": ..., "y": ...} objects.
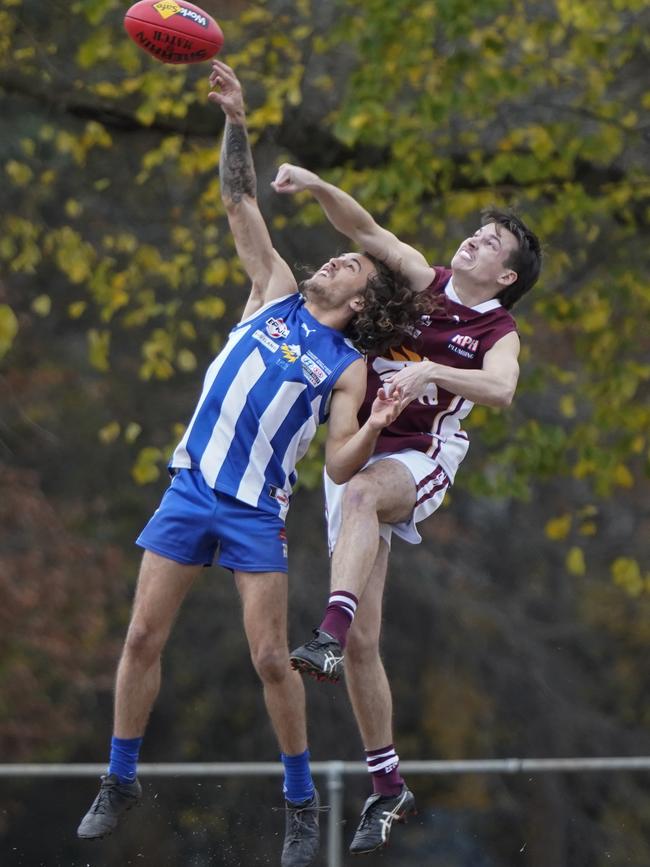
[
  {"x": 290, "y": 352},
  {"x": 276, "y": 327},
  {"x": 463, "y": 344}
]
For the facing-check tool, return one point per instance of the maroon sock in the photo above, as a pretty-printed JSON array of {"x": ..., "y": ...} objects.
[
  {"x": 383, "y": 765},
  {"x": 339, "y": 615}
]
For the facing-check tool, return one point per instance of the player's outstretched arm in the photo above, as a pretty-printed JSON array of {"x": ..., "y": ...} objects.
[
  {"x": 353, "y": 221},
  {"x": 262, "y": 263},
  {"x": 493, "y": 384},
  {"x": 349, "y": 446}
]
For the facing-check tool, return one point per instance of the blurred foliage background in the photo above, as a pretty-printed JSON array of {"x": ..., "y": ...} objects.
[{"x": 520, "y": 626}]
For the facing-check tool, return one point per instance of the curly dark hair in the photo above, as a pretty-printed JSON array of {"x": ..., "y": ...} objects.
[{"x": 391, "y": 309}]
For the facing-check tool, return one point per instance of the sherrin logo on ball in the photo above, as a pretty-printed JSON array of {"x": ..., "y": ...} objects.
[{"x": 173, "y": 31}]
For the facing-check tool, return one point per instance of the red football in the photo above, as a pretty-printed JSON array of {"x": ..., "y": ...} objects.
[{"x": 173, "y": 31}]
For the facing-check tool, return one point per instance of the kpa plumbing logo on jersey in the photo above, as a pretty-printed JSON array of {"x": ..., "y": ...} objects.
[{"x": 463, "y": 344}]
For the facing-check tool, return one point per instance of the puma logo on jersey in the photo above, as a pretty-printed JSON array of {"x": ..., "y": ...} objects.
[{"x": 307, "y": 330}]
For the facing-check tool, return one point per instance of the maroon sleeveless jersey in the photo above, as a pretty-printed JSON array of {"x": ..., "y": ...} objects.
[{"x": 456, "y": 336}]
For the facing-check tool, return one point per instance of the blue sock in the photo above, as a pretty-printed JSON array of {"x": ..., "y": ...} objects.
[
  {"x": 298, "y": 784},
  {"x": 124, "y": 758}
]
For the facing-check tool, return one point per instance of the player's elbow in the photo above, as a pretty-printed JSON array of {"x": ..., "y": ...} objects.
[
  {"x": 238, "y": 205},
  {"x": 504, "y": 396},
  {"x": 339, "y": 477},
  {"x": 338, "y": 473}
]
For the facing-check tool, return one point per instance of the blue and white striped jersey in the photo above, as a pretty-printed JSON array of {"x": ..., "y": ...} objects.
[{"x": 263, "y": 397}]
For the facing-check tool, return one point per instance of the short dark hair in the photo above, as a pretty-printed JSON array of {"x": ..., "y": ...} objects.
[
  {"x": 526, "y": 260},
  {"x": 391, "y": 307}
]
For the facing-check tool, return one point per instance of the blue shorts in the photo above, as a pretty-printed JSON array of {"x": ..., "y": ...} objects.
[{"x": 197, "y": 525}]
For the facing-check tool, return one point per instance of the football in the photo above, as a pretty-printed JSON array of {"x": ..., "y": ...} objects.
[{"x": 173, "y": 31}]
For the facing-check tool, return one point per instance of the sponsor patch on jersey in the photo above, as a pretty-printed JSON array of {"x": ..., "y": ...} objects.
[
  {"x": 278, "y": 494},
  {"x": 265, "y": 340},
  {"x": 276, "y": 327},
  {"x": 463, "y": 344},
  {"x": 290, "y": 352},
  {"x": 425, "y": 319},
  {"x": 315, "y": 370}
]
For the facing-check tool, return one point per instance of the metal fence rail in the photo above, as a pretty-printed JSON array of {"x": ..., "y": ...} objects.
[{"x": 334, "y": 772}]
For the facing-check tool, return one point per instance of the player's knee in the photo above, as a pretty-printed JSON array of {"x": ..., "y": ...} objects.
[
  {"x": 271, "y": 664},
  {"x": 362, "y": 647},
  {"x": 360, "y": 495},
  {"x": 143, "y": 642}
]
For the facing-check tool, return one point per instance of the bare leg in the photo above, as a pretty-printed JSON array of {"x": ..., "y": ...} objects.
[
  {"x": 162, "y": 586},
  {"x": 383, "y": 492},
  {"x": 264, "y": 600},
  {"x": 365, "y": 675}
]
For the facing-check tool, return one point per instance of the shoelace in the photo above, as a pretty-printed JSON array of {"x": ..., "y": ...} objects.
[
  {"x": 365, "y": 820},
  {"x": 298, "y": 821},
  {"x": 103, "y": 800},
  {"x": 368, "y": 815}
]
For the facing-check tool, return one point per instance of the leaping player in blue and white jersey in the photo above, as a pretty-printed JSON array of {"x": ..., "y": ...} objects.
[{"x": 292, "y": 363}]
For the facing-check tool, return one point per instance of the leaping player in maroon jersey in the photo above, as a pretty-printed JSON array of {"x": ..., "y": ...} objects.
[{"x": 465, "y": 352}]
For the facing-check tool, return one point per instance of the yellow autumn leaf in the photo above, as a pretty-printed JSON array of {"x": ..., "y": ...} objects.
[
  {"x": 186, "y": 360},
  {"x": 145, "y": 468},
  {"x": 627, "y": 574},
  {"x": 623, "y": 477},
  {"x": 132, "y": 432},
  {"x": 19, "y": 173},
  {"x": 98, "y": 347},
  {"x": 575, "y": 561},
  {"x": 42, "y": 305},
  {"x": 109, "y": 433},
  {"x": 568, "y": 406},
  {"x": 558, "y": 528},
  {"x": 76, "y": 309},
  {"x": 583, "y": 468},
  {"x": 73, "y": 208},
  {"x": 8, "y": 328},
  {"x": 210, "y": 308},
  {"x": 216, "y": 272}
]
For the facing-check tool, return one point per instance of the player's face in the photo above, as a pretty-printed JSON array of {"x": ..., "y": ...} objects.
[
  {"x": 340, "y": 280},
  {"x": 483, "y": 256}
]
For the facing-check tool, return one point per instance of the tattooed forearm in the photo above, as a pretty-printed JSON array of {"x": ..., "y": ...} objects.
[{"x": 236, "y": 164}]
